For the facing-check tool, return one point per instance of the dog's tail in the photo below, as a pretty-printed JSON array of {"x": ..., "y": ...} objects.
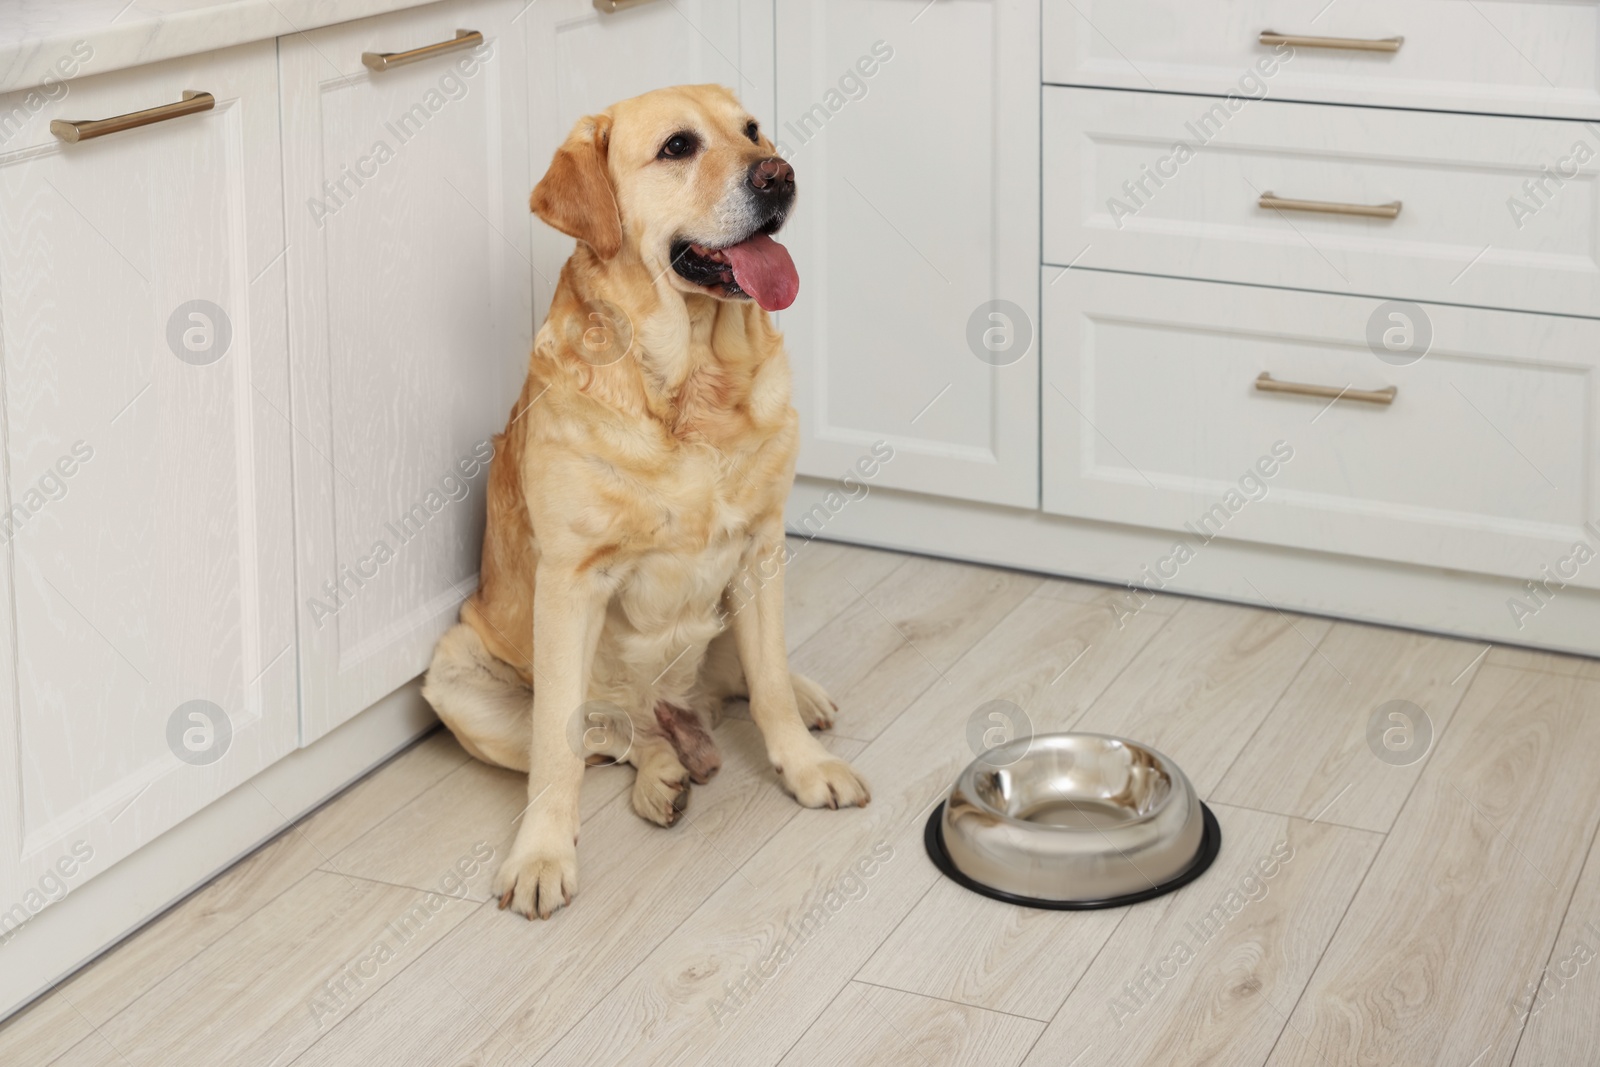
[{"x": 481, "y": 698}]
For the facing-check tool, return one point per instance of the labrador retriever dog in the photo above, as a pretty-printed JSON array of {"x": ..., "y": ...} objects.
[{"x": 632, "y": 563}]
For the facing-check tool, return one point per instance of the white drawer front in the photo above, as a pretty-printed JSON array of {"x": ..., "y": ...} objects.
[
  {"x": 1515, "y": 57},
  {"x": 1486, "y": 216},
  {"x": 1484, "y": 461}
]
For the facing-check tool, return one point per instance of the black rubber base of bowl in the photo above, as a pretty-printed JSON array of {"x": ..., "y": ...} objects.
[{"x": 1210, "y": 845}]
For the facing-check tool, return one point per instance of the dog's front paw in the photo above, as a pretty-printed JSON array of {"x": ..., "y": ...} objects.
[
  {"x": 817, "y": 709},
  {"x": 538, "y": 880},
  {"x": 825, "y": 782}
]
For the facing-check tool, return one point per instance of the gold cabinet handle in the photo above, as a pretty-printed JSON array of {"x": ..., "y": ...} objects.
[
  {"x": 1390, "y": 210},
  {"x": 385, "y": 60},
  {"x": 74, "y": 130},
  {"x": 1266, "y": 383},
  {"x": 1347, "y": 44},
  {"x": 612, "y": 6}
]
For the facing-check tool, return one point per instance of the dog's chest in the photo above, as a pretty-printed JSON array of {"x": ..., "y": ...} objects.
[
  {"x": 706, "y": 495},
  {"x": 674, "y": 598},
  {"x": 679, "y": 579}
]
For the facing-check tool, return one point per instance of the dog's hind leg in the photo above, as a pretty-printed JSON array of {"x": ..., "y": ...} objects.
[
  {"x": 481, "y": 699},
  {"x": 722, "y": 679},
  {"x": 817, "y": 709},
  {"x": 661, "y": 786}
]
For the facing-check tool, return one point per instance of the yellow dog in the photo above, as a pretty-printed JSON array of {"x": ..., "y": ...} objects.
[{"x": 639, "y": 483}]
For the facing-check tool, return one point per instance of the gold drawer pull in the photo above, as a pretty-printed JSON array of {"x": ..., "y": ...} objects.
[
  {"x": 74, "y": 130},
  {"x": 1266, "y": 383},
  {"x": 613, "y": 6},
  {"x": 1347, "y": 44},
  {"x": 1390, "y": 210},
  {"x": 385, "y": 60}
]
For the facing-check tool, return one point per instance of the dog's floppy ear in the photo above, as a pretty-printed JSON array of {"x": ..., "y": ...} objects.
[{"x": 575, "y": 194}]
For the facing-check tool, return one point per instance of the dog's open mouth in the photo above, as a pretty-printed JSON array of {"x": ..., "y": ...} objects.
[{"x": 757, "y": 267}]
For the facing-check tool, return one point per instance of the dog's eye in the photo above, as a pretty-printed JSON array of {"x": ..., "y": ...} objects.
[
  {"x": 678, "y": 146},
  {"x": 753, "y": 132}
]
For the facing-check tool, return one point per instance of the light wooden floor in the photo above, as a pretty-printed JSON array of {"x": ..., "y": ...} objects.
[{"x": 1421, "y": 907}]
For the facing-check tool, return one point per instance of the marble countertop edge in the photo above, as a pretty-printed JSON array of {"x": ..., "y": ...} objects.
[{"x": 38, "y": 37}]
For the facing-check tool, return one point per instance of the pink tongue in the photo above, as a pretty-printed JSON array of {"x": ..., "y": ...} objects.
[{"x": 763, "y": 269}]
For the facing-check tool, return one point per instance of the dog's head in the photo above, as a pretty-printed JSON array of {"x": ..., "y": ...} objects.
[{"x": 684, "y": 179}]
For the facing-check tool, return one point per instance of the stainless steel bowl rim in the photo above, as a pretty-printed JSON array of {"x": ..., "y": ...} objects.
[
  {"x": 1023, "y": 850},
  {"x": 933, "y": 843},
  {"x": 990, "y": 761}
]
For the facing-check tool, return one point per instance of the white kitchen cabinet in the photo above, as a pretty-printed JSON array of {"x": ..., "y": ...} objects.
[
  {"x": 582, "y": 60},
  {"x": 1128, "y": 178},
  {"x": 410, "y": 323},
  {"x": 148, "y": 548},
  {"x": 913, "y": 128},
  {"x": 1153, "y": 416},
  {"x": 1510, "y": 57}
]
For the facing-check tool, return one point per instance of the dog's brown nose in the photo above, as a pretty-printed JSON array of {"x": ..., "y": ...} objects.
[{"x": 771, "y": 176}]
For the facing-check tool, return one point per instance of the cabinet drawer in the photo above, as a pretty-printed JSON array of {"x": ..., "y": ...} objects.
[
  {"x": 1483, "y": 461},
  {"x": 1516, "y": 57},
  {"x": 1485, "y": 214}
]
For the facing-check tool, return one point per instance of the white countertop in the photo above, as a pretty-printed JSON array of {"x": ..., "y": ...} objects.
[{"x": 36, "y": 34}]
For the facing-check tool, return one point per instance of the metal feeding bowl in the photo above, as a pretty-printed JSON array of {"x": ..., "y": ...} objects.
[{"x": 1072, "y": 821}]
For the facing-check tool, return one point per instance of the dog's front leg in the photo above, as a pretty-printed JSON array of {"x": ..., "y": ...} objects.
[
  {"x": 816, "y": 777},
  {"x": 541, "y": 874}
]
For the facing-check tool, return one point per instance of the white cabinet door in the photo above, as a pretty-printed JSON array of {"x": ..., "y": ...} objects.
[
  {"x": 582, "y": 60},
  {"x": 914, "y": 131},
  {"x": 146, "y": 550},
  {"x": 410, "y": 328}
]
